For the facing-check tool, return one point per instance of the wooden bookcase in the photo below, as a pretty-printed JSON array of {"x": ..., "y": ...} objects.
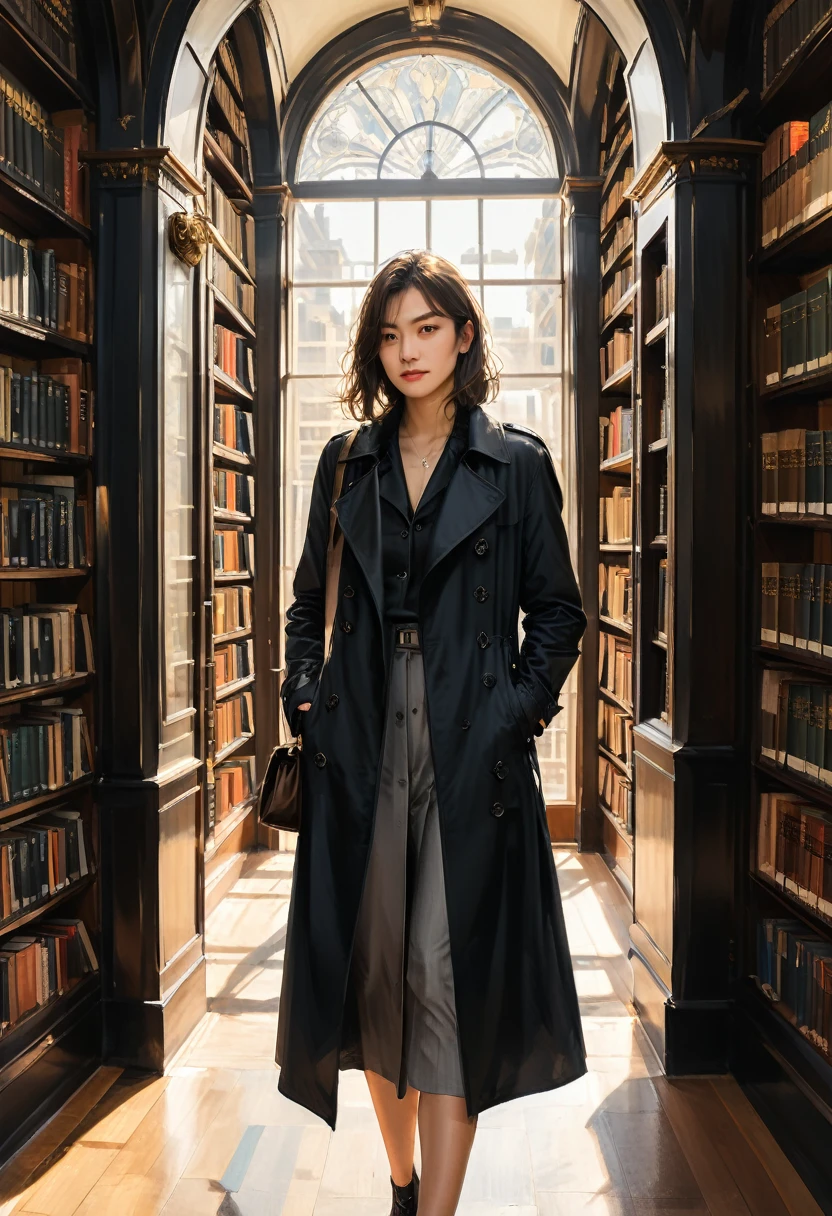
[
  {"x": 46, "y": 439},
  {"x": 792, "y": 546},
  {"x": 230, "y": 468}
]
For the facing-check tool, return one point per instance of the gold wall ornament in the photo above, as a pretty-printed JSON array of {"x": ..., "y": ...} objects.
[
  {"x": 425, "y": 14},
  {"x": 189, "y": 237}
]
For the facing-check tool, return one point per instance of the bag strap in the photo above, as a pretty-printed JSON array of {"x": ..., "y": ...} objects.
[{"x": 334, "y": 548}]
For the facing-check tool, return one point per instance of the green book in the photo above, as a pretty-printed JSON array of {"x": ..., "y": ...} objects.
[
  {"x": 797, "y": 726},
  {"x": 815, "y": 488},
  {"x": 816, "y": 609}
]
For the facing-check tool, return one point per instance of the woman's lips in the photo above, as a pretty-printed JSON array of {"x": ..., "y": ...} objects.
[{"x": 413, "y": 375}]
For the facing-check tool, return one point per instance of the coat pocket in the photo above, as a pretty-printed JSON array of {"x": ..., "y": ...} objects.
[{"x": 515, "y": 705}]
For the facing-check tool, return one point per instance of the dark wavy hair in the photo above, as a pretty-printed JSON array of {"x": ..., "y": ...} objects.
[{"x": 366, "y": 388}]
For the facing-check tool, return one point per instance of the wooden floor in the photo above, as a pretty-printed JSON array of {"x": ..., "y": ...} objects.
[{"x": 214, "y": 1138}]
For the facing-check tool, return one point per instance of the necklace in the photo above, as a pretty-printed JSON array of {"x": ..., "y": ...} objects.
[{"x": 422, "y": 458}]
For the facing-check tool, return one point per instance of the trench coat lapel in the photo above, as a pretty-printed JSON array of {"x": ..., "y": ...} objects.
[
  {"x": 469, "y": 501},
  {"x": 359, "y": 514}
]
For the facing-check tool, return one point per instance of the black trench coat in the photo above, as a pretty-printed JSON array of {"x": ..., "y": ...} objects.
[{"x": 498, "y": 547}]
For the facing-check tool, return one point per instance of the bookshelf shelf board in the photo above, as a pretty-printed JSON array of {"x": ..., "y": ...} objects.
[
  {"x": 621, "y": 765},
  {"x": 659, "y": 542},
  {"x": 230, "y": 748},
  {"x": 225, "y": 382},
  {"x": 49, "y": 1020},
  {"x": 239, "y": 459},
  {"x": 227, "y": 825},
  {"x": 222, "y": 168},
  {"x": 620, "y": 311},
  {"x": 616, "y": 163},
  {"x": 800, "y": 784},
  {"x": 618, "y": 464},
  {"x": 618, "y": 378},
  {"x": 617, "y": 824},
  {"x": 232, "y": 576},
  {"x": 612, "y": 623},
  {"x": 616, "y": 546},
  {"x": 621, "y": 210},
  {"x": 33, "y": 339},
  {"x": 222, "y": 120},
  {"x": 791, "y": 654},
  {"x": 792, "y": 903},
  {"x": 658, "y": 332},
  {"x": 660, "y": 642},
  {"x": 230, "y": 517},
  {"x": 620, "y": 257},
  {"x": 822, "y": 522},
  {"x": 235, "y": 635},
  {"x": 22, "y": 203},
  {"x": 812, "y": 385},
  {"x": 14, "y": 810},
  {"x": 658, "y": 445},
  {"x": 36, "y": 66},
  {"x": 797, "y": 90},
  {"x": 610, "y": 696},
  {"x": 791, "y": 1049},
  {"x": 231, "y": 313},
  {"x": 803, "y": 249},
  {"x": 33, "y": 572},
  {"x": 230, "y": 256},
  {"x": 13, "y": 451},
  {"x": 44, "y": 906},
  {"x": 228, "y": 690},
  {"x": 51, "y": 689}
]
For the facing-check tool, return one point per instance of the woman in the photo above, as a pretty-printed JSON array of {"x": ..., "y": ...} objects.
[{"x": 426, "y": 942}]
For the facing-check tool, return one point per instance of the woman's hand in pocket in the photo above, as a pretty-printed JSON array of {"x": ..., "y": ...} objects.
[{"x": 306, "y": 705}]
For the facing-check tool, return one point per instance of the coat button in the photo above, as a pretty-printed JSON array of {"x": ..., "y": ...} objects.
[
  {"x": 402, "y": 574},
  {"x": 332, "y": 700},
  {"x": 346, "y": 626},
  {"x": 418, "y": 527},
  {"x": 348, "y": 592},
  {"x": 481, "y": 595},
  {"x": 404, "y": 532},
  {"x": 481, "y": 546},
  {"x": 489, "y": 679},
  {"x": 465, "y": 724},
  {"x": 483, "y": 640},
  {"x": 497, "y": 810},
  {"x": 500, "y": 770},
  {"x": 320, "y": 759}
]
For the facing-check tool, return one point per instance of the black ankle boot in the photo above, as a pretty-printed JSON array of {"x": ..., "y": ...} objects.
[{"x": 406, "y": 1198}]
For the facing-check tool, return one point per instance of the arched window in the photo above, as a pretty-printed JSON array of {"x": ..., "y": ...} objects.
[{"x": 437, "y": 152}]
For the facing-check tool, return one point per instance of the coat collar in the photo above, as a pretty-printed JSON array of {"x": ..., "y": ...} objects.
[{"x": 485, "y": 435}]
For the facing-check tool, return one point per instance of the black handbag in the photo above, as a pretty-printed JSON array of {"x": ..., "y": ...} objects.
[{"x": 279, "y": 796}]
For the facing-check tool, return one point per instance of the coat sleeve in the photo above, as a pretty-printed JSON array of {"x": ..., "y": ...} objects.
[
  {"x": 553, "y": 621},
  {"x": 305, "y": 617}
]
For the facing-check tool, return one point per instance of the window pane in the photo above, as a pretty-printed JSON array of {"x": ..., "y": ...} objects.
[
  {"x": 334, "y": 240},
  {"x": 323, "y": 319},
  {"x": 454, "y": 233},
  {"x": 521, "y": 238},
  {"x": 526, "y": 324},
  {"x": 401, "y": 225}
]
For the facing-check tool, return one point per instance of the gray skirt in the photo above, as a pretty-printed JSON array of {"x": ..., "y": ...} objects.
[{"x": 401, "y": 967}]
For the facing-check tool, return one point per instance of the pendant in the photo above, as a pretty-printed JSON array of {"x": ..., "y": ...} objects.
[{"x": 425, "y": 463}]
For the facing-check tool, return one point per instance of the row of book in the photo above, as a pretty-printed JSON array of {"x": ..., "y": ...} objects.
[
  {"x": 233, "y": 661},
  {"x": 796, "y": 724},
  {"x": 797, "y": 174},
  {"x": 798, "y": 331},
  {"x": 622, "y": 238},
  {"x": 42, "y": 152},
  {"x": 796, "y": 606},
  {"x": 228, "y": 65},
  {"x": 623, "y": 135},
  {"x": 787, "y": 27},
  {"x": 616, "y": 433},
  {"x": 233, "y": 492},
  {"x": 615, "y": 731},
  {"x": 234, "y": 782},
  {"x": 616, "y": 793},
  {"x": 794, "y": 849},
  {"x": 43, "y": 524},
  {"x": 42, "y": 643},
  {"x": 39, "y": 966},
  {"x": 234, "y": 356},
  {"x": 232, "y": 112},
  {"x": 40, "y": 857},
  {"x": 616, "y": 516},
  {"x": 617, "y": 289},
  {"x": 662, "y": 296},
  {"x": 615, "y": 666},
  {"x": 37, "y": 285},
  {"x": 797, "y": 473},
  {"x": 233, "y": 551},
  {"x": 46, "y": 406},
  {"x": 43, "y": 749},
  {"x": 232, "y": 609},
  {"x": 615, "y": 592},
  {"x": 234, "y": 429},
  {"x": 610, "y": 119},
  {"x": 234, "y": 718},
  {"x": 236, "y": 227},
  {"x": 237, "y": 154},
  {"x": 52, "y": 23},
  {"x": 616, "y": 353},
  {"x": 232, "y": 285},
  {"x": 613, "y": 200}
]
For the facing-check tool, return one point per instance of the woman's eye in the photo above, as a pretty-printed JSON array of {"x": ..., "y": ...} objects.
[
  {"x": 429, "y": 329},
  {"x": 385, "y": 337}
]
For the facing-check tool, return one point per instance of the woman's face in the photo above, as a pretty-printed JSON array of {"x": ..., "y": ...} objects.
[{"x": 419, "y": 347}]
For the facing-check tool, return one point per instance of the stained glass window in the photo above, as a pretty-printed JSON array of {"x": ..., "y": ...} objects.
[{"x": 423, "y": 118}]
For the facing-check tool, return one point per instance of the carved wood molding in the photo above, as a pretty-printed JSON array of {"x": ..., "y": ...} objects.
[
  {"x": 694, "y": 157},
  {"x": 132, "y": 165}
]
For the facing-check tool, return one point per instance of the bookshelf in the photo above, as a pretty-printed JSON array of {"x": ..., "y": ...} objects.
[
  {"x": 787, "y": 841},
  {"x": 231, "y": 368},
  {"x": 50, "y": 930}
]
